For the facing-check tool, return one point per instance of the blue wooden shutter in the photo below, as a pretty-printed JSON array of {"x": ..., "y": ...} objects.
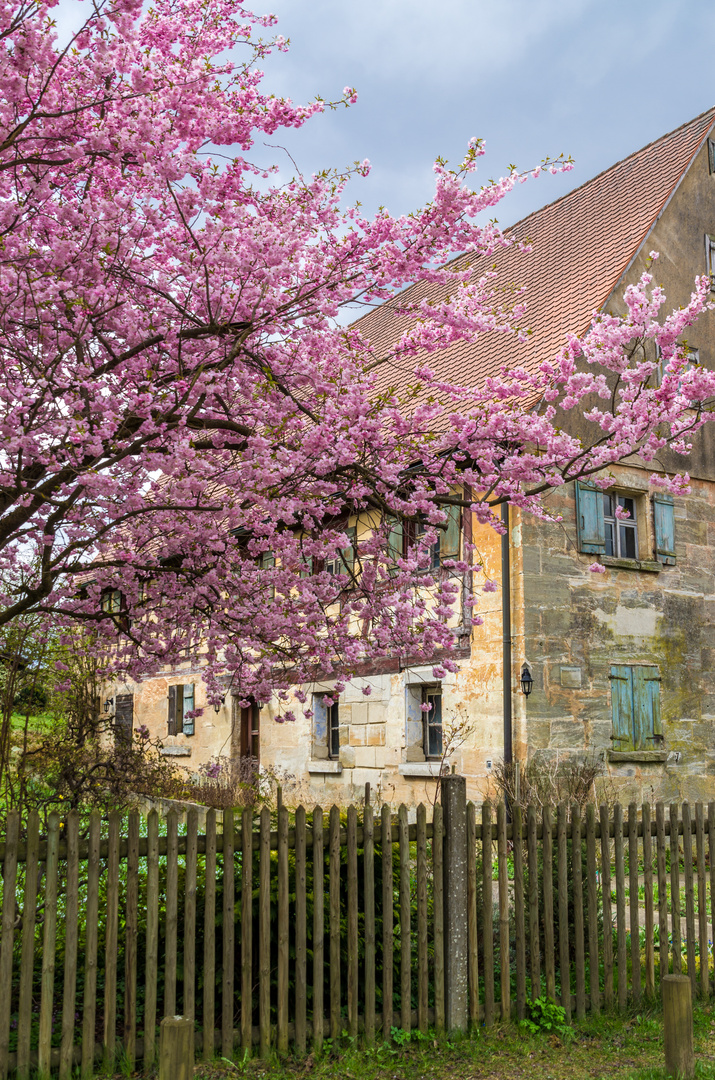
[
  {"x": 320, "y": 721},
  {"x": 646, "y": 707},
  {"x": 449, "y": 539},
  {"x": 171, "y": 728},
  {"x": 622, "y": 707},
  {"x": 589, "y": 520},
  {"x": 188, "y": 706},
  {"x": 664, "y": 519}
]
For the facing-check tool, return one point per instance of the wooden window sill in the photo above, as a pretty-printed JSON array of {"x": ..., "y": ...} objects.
[
  {"x": 652, "y": 757},
  {"x": 651, "y": 566}
]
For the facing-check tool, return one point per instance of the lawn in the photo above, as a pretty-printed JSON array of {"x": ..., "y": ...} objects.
[{"x": 598, "y": 1048}]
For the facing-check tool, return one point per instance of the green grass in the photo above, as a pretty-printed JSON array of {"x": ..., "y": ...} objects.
[
  {"x": 39, "y": 723},
  {"x": 607, "y": 1047}
]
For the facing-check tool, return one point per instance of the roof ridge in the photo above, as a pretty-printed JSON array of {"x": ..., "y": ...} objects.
[{"x": 617, "y": 164}]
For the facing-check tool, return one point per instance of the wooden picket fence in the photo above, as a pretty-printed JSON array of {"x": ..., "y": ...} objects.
[{"x": 278, "y": 931}]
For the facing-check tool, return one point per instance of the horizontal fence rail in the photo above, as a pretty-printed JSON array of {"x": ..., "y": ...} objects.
[{"x": 277, "y": 930}]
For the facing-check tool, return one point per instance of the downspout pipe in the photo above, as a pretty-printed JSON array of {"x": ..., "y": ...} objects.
[{"x": 506, "y": 634}]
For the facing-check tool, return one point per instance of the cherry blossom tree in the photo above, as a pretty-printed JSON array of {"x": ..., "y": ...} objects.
[{"x": 188, "y": 427}]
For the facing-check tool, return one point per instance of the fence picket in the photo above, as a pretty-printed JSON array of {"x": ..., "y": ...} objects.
[
  {"x": 563, "y": 879},
  {"x": 301, "y": 957},
  {"x": 69, "y": 990},
  {"x": 648, "y": 889},
  {"x": 438, "y": 917},
  {"x": 702, "y": 901},
  {"x": 405, "y": 921},
  {"x": 130, "y": 940},
  {"x": 607, "y": 908},
  {"x": 8, "y": 929},
  {"x": 519, "y": 923},
  {"x": 592, "y": 890},
  {"x": 352, "y": 926},
  {"x": 172, "y": 911},
  {"x": 27, "y": 964},
  {"x": 49, "y": 938},
  {"x": 209, "y": 973},
  {"x": 487, "y": 913},
  {"x": 151, "y": 968},
  {"x": 711, "y": 859},
  {"x": 675, "y": 890},
  {"x": 533, "y": 863},
  {"x": 504, "y": 960},
  {"x": 335, "y": 1023},
  {"x": 369, "y": 917},
  {"x": 189, "y": 948},
  {"x": 577, "y": 871},
  {"x": 318, "y": 928},
  {"x": 283, "y": 925},
  {"x": 662, "y": 891},
  {"x": 422, "y": 959},
  {"x": 633, "y": 915},
  {"x": 689, "y": 896},
  {"x": 246, "y": 931},
  {"x": 620, "y": 906},
  {"x": 264, "y": 933},
  {"x": 228, "y": 933},
  {"x": 548, "y": 886}
]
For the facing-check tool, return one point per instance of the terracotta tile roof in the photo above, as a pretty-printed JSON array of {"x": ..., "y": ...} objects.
[{"x": 583, "y": 243}]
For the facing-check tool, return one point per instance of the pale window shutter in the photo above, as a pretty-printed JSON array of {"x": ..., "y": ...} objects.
[
  {"x": 622, "y": 706},
  {"x": 589, "y": 520},
  {"x": 664, "y": 522},
  {"x": 188, "y": 705},
  {"x": 172, "y": 711},
  {"x": 395, "y": 540},
  {"x": 348, "y": 553},
  {"x": 449, "y": 540}
]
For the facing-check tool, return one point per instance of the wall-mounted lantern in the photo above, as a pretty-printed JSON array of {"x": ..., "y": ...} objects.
[
  {"x": 218, "y": 705},
  {"x": 108, "y": 704},
  {"x": 526, "y": 680}
]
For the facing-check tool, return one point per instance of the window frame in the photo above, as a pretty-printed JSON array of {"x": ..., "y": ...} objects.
[
  {"x": 710, "y": 259},
  {"x": 636, "y": 707},
  {"x": 178, "y": 722},
  {"x": 333, "y": 730},
  {"x": 628, "y": 525}
]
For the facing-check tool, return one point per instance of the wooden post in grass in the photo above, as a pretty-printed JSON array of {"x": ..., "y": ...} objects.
[
  {"x": 176, "y": 1048},
  {"x": 678, "y": 1026}
]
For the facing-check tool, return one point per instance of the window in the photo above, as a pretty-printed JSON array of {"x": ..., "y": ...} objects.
[
  {"x": 432, "y": 722},
  {"x": 423, "y": 722},
  {"x": 343, "y": 561},
  {"x": 621, "y": 534},
  {"x": 181, "y": 702},
  {"x": 692, "y": 356},
  {"x": 635, "y": 705},
  {"x": 124, "y": 718},
  {"x": 602, "y": 532},
  {"x": 711, "y": 155},
  {"x": 326, "y": 727},
  {"x": 250, "y": 734},
  {"x": 710, "y": 253},
  {"x": 113, "y": 603}
]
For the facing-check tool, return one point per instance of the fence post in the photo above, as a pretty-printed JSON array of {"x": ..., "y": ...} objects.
[
  {"x": 678, "y": 1026},
  {"x": 456, "y": 984},
  {"x": 176, "y": 1048}
]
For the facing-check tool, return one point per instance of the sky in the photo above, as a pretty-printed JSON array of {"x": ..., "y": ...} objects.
[{"x": 590, "y": 78}]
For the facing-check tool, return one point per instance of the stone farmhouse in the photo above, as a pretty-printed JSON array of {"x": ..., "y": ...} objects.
[{"x": 623, "y": 662}]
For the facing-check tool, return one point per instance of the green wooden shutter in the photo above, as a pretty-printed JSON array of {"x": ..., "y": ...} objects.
[
  {"x": 622, "y": 707},
  {"x": 449, "y": 540},
  {"x": 646, "y": 707},
  {"x": 664, "y": 519},
  {"x": 589, "y": 520},
  {"x": 172, "y": 711},
  {"x": 188, "y": 706}
]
